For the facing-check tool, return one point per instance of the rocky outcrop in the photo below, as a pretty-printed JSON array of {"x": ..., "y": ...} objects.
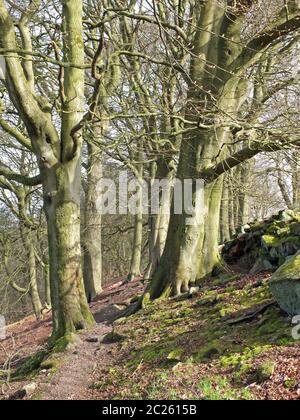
[
  {"x": 265, "y": 246},
  {"x": 285, "y": 285}
]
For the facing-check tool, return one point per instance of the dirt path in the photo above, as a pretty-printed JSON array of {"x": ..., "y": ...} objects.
[
  {"x": 76, "y": 373},
  {"x": 75, "y": 370}
]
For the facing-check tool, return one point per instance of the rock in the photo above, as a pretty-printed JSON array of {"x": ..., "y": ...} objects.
[
  {"x": 120, "y": 321},
  {"x": 112, "y": 337},
  {"x": 295, "y": 229},
  {"x": 287, "y": 216},
  {"x": 193, "y": 291},
  {"x": 92, "y": 339},
  {"x": 208, "y": 301},
  {"x": 262, "y": 265},
  {"x": 30, "y": 389},
  {"x": 265, "y": 371},
  {"x": 175, "y": 355},
  {"x": 285, "y": 286},
  {"x": 264, "y": 246}
]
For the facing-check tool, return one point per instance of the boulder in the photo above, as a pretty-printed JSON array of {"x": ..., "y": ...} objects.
[
  {"x": 285, "y": 285},
  {"x": 265, "y": 246}
]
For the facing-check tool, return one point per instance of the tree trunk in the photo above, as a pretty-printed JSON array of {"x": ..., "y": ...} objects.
[
  {"x": 32, "y": 271},
  {"x": 159, "y": 223},
  {"x": 136, "y": 260},
  {"x": 224, "y": 216},
  {"x": 34, "y": 292},
  {"x": 191, "y": 251},
  {"x": 244, "y": 204},
  {"x": 47, "y": 284},
  {"x": 92, "y": 226},
  {"x": 232, "y": 227},
  {"x": 69, "y": 304},
  {"x": 296, "y": 189}
]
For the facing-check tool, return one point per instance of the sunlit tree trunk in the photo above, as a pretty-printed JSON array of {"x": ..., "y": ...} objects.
[
  {"x": 92, "y": 225},
  {"x": 136, "y": 259},
  {"x": 191, "y": 252},
  {"x": 224, "y": 215}
]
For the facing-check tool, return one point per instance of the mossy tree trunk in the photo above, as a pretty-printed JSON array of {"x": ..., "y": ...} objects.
[
  {"x": 69, "y": 305},
  {"x": 191, "y": 252},
  {"x": 59, "y": 158},
  {"x": 93, "y": 225}
]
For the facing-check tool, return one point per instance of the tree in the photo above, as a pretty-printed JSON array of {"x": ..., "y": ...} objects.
[
  {"x": 218, "y": 89},
  {"x": 58, "y": 154}
]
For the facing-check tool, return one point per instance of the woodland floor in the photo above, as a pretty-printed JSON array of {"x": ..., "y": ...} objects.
[{"x": 230, "y": 341}]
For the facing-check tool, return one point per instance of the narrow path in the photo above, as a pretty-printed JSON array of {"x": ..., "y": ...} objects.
[{"x": 77, "y": 371}]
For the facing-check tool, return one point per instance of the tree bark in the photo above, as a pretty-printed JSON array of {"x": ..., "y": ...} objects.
[
  {"x": 191, "y": 251},
  {"x": 69, "y": 304},
  {"x": 92, "y": 226}
]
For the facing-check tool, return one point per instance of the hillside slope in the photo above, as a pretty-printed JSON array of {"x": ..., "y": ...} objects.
[{"x": 229, "y": 341}]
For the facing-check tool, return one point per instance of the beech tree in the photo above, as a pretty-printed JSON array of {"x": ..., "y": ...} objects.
[
  {"x": 58, "y": 151},
  {"x": 221, "y": 58}
]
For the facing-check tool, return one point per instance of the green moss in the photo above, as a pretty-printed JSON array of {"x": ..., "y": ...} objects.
[
  {"x": 208, "y": 352},
  {"x": 290, "y": 383},
  {"x": 112, "y": 337},
  {"x": 289, "y": 271},
  {"x": 271, "y": 241},
  {"x": 218, "y": 388},
  {"x": 175, "y": 355},
  {"x": 265, "y": 371},
  {"x": 51, "y": 364},
  {"x": 244, "y": 358},
  {"x": 31, "y": 365},
  {"x": 66, "y": 342}
]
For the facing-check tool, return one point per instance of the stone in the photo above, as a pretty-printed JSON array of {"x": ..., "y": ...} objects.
[
  {"x": 295, "y": 229},
  {"x": 285, "y": 286},
  {"x": 265, "y": 371},
  {"x": 30, "y": 389},
  {"x": 112, "y": 337},
  {"x": 287, "y": 216},
  {"x": 175, "y": 355},
  {"x": 92, "y": 339},
  {"x": 193, "y": 291},
  {"x": 120, "y": 321}
]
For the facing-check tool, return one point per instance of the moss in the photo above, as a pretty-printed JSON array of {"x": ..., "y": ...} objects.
[
  {"x": 208, "y": 352},
  {"x": 244, "y": 358},
  {"x": 31, "y": 365},
  {"x": 175, "y": 355},
  {"x": 285, "y": 285},
  {"x": 218, "y": 388},
  {"x": 37, "y": 397},
  {"x": 112, "y": 337},
  {"x": 51, "y": 363},
  {"x": 289, "y": 271},
  {"x": 265, "y": 371},
  {"x": 271, "y": 241},
  {"x": 67, "y": 342},
  {"x": 290, "y": 383}
]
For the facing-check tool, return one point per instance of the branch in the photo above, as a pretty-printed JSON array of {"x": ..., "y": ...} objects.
[
  {"x": 21, "y": 138},
  {"x": 245, "y": 154},
  {"x": 282, "y": 26},
  {"x": 22, "y": 179}
]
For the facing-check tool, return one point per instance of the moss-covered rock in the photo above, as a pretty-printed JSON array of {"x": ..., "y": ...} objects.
[
  {"x": 265, "y": 246},
  {"x": 265, "y": 371},
  {"x": 285, "y": 286},
  {"x": 112, "y": 337}
]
